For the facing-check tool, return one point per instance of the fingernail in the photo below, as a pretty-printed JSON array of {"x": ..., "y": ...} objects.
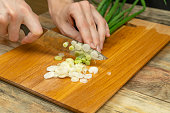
[
  {"x": 98, "y": 49},
  {"x": 101, "y": 46},
  {"x": 92, "y": 45},
  {"x": 23, "y": 42}
]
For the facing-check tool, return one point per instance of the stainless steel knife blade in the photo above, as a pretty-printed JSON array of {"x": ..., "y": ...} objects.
[{"x": 54, "y": 40}]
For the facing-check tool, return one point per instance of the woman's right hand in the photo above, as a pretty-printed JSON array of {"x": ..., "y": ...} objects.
[{"x": 13, "y": 13}]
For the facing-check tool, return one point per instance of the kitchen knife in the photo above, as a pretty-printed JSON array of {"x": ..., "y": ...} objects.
[{"x": 55, "y": 41}]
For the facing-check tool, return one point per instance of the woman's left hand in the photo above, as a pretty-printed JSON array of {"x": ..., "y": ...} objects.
[{"x": 92, "y": 27}]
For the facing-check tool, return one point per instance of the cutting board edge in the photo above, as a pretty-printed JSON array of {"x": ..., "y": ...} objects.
[{"x": 30, "y": 91}]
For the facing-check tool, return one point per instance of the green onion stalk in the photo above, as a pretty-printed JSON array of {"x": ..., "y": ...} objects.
[{"x": 117, "y": 16}]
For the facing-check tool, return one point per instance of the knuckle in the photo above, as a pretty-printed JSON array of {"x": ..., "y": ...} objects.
[
  {"x": 85, "y": 3},
  {"x": 13, "y": 15},
  {"x": 92, "y": 24},
  {"x": 75, "y": 6},
  {"x": 25, "y": 8}
]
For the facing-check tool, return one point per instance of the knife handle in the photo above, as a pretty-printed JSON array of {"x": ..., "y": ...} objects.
[{"x": 25, "y": 29}]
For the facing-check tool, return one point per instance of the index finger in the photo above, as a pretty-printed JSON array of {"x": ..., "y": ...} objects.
[
  {"x": 82, "y": 24},
  {"x": 33, "y": 24}
]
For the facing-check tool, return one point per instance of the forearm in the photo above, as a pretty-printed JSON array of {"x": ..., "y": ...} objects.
[{"x": 57, "y": 5}]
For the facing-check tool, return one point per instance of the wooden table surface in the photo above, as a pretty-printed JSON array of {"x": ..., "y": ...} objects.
[{"x": 147, "y": 92}]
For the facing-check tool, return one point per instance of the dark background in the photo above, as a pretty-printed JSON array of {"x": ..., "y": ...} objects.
[{"x": 156, "y": 4}]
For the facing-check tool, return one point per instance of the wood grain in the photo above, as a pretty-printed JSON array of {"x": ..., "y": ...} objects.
[{"x": 128, "y": 50}]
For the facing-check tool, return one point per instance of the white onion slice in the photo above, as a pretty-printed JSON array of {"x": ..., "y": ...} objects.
[
  {"x": 94, "y": 54},
  {"x": 74, "y": 79},
  {"x": 78, "y": 46},
  {"x": 93, "y": 70},
  {"x": 61, "y": 54},
  {"x": 83, "y": 80},
  {"x": 73, "y": 42},
  {"x": 49, "y": 75},
  {"x": 86, "y": 47},
  {"x": 88, "y": 76},
  {"x": 52, "y": 68},
  {"x": 62, "y": 76}
]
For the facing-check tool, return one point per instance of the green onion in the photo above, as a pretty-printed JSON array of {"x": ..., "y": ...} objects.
[
  {"x": 130, "y": 9},
  {"x": 165, "y": 2},
  {"x": 112, "y": 10},
  {"x": 101, "y": 5},
  {"x": 116, "y": 16},
  {"x": 95, "y": 2},
  {"x": 104, "y": 9},
  {"x": 128, "y": 18},
  {"x": 122, "y": 4}
]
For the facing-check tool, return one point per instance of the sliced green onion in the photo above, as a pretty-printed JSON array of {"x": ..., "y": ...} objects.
[
  {"x": 78, "y": 58},
  {"x": 87, "y": 62},
  {"x": 77, "y": 61},
  {"x": 83, "y": 60},
  {"x": 71, "y": 48},
  {"x": 58, "y": 58},
  {"x": 88, "y": 57},
  {"x": 65, "y": 44}
]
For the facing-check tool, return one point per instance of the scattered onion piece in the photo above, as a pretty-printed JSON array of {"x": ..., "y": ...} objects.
[
  {"x": 93, "y": 70},
  {"x": 109, "y": 73},
  {"x": 83, "y": 80},
  {"x": 49, "y": 75},
  {"x": 65, "y": 44}
]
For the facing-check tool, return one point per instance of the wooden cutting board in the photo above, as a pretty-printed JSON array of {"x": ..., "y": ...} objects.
[{"x": 128, "y": 50}]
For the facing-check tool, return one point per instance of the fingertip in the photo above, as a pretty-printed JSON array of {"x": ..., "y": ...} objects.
[
  {"x": 29, "y": 38},
  {"x": 98, "y": 49},
  {"x": 24, "y": 40},
  {"x": 92, "y": 45},
  {"x": 108, "y": 35}
]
